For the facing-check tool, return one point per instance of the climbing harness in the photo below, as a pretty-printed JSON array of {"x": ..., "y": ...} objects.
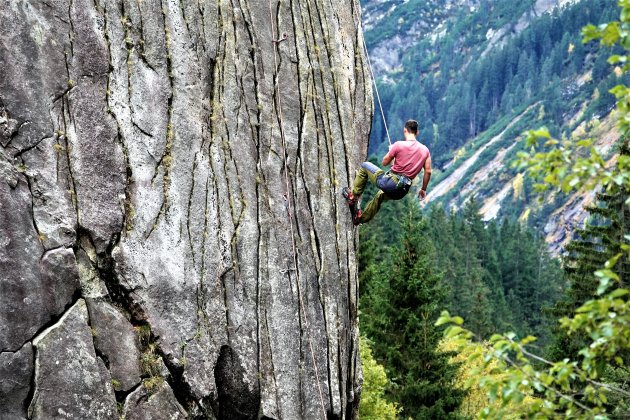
[
  {"x": 369, "y": 62},
  {"x": 403, "y": 181},
  {"x": 278, "y": 106},
  {"x": 395, "y": 185}
]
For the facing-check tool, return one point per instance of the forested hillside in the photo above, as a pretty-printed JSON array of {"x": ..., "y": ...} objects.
[
  {"x": 476, "y": 74},
  {"x": 524, "y": 239}
]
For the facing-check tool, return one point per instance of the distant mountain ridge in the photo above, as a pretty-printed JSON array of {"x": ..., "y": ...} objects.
[{"x": 428, "y": 19}]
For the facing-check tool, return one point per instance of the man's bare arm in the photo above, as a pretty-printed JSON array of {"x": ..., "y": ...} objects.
[
  {"x": 426, "y": 178},
  {"x": 387, "y": 159}
]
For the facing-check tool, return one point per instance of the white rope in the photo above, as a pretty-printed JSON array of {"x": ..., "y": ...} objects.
[
  {"x": 288, "y": 199},
  {"x": 367, "y": 55}
]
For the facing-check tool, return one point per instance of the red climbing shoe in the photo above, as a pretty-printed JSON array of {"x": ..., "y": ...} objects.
[
  {"x": 350, "y": 198},
  {"x": 356, "y": 217},
  {"x": 352, "y": 201}
]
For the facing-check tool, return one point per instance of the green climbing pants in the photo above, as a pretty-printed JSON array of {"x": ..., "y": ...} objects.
[{"x": 371, "y": 172}]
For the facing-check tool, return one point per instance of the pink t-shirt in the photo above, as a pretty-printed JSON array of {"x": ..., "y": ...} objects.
[{"x": 410, "y": 157}]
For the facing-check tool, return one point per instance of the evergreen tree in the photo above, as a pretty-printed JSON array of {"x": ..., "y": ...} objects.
[
  {"x": 399, "y": 316},
  {"x": 474, "y": 293},
  {"x": 601, "y": 68},
  {"x": 600, "y": 240},
  {"x": 526, "y": 273},
  {"x": 497, "y": 277},
  {"x": 500, "y": 312}
]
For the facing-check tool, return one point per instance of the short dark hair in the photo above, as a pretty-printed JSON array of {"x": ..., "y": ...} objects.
[{"x": 412, "y": 126}]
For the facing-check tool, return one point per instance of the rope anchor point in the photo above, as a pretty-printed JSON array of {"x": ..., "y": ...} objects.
[{"x": 284, "y": 37}]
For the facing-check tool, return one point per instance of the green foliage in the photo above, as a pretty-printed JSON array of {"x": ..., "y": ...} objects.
[
  {"x": 569, "y": 165},
  {"x": 566, "y": 388},
  {"x": 116, "y": 384},
  {"x": 602, "y": 239},
  {"x": 619, "y": 403},
  {"x": 472, "y": 372},
  {"x": 398, "y": 313},
  {"x": 373, "y": 404},
  {"x": 498, "y": 275}
]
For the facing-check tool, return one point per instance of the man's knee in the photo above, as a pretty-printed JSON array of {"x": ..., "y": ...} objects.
[{"x": 370, "y": 167}]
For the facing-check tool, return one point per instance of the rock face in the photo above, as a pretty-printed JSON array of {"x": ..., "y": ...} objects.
[
  {"x": 116, "y": 341},
  {"x": 16, "y": 370},
  {"x": 70, "y": 380},
  {"x": 161, "y": 404},
  {"x": 36, "y": 285},
  {"x": 177, "y": 166}
]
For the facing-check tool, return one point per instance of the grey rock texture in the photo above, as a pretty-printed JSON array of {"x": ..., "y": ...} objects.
[
  {"x": 16, "y": 371},
  {"x": 70, "y": 380},
  {"x": 116, "y": 340},
  {"x": 161, "y": 404},
  {"x": 36, "y": 285},
  {"x": 179, "y": 170}
]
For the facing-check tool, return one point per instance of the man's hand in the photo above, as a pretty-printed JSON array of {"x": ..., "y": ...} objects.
[{"x": 422, "y": 194}]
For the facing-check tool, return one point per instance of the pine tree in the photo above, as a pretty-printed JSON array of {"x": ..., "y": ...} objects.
[
  {"x": 474, "y": 291},
  {"x": 399, "y": 316},
  {"x": 501, "y": 314},
  {"x": 600, "y": 240}
]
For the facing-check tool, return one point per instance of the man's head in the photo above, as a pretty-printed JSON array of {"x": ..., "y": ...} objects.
[{"x": 411, "y": 126}]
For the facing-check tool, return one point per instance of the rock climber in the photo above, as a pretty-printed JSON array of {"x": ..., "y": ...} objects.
[{"x": 409, "y": 157}]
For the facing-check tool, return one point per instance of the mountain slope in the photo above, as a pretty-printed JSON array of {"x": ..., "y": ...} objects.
[{"x": 480, "y": 75}]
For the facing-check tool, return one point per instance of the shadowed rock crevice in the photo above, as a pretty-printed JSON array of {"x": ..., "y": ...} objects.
[
  {"x": 155, "y": 365},
  {"x": 237, "y": 399}
]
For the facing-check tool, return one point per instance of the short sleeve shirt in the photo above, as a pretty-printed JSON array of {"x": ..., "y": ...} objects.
[{"x": 409, "y": 156}]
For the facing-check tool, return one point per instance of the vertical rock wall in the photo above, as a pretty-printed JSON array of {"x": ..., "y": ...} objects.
[{"x": 163, "y": 252}]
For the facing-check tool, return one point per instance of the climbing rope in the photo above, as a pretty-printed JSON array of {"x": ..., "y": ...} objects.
[
  {"x": 288, "y": 201},
  {"x": 369, "y": 62}
]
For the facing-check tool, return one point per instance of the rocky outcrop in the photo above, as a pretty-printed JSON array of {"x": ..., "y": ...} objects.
[
  {"x": 172, "y": 237},
  {"x": 117, "y": 342},
  {"x": 16, "y": 370},
  {"x": 70, "y": 380},
  {"x": 37, "y": 285},
  {"x": 162, "y": 404}
]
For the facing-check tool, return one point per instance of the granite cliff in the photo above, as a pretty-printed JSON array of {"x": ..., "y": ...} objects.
[{"x": 172, "y": 239}]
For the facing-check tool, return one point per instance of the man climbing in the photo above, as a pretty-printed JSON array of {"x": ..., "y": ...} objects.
[{"x": 409, "y": 156}]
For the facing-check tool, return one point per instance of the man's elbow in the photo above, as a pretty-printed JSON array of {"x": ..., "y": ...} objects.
[{"x": 427, "y": 171}]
